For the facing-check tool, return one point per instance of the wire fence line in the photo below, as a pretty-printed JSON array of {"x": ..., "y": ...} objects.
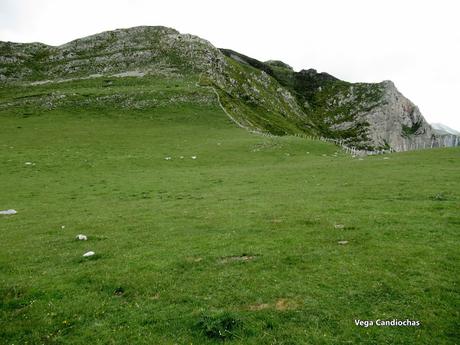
[
  {"x": 448, "y": 140},
  {"x": 348, "y": 149},
  {"x": 409, "y": 145}
]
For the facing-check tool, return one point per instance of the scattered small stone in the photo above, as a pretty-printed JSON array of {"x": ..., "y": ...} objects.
[
  {"x": 339, "y": 226},
  {"x": 129, "y": 74},
  {"x": 88, "y": 254},
  {"x": 181, "y": 157},
  {"x": 62, "y": 227},
  {"x": 439, "y": 197},
  {"x": 28, "y": 163},
  {"x": 8, "y": 212},
  {"x": 193, "y": 157},
  {"x": 81, "y": 237},
  {"x": 243, "y": 257},
  {"x": 342, "y": 242},
  {"x": 386, "y": 158},
  {"x": 168, "y": 158}
]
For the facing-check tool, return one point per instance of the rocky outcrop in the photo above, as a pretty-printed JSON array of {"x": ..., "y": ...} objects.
[
  {"x": 391, "y": 121},
  {"x": 397, "y": 123},
  {"x": 150, "y": 50},
  {"x": 361, "y": 115}
]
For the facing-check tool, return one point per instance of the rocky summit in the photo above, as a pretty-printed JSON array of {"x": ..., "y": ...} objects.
[{"x": 265, "y": 97}]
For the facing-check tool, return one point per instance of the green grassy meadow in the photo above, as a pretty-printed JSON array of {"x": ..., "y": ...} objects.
[{"x": 237, "y": 246}]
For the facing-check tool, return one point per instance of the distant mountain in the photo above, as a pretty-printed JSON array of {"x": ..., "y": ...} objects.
[
  {"x": 441, "y": 129},
  {"x": 268, "y": 97}
]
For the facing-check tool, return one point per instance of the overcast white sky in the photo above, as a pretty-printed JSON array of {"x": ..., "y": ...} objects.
[{"x": 415, "y": 43}]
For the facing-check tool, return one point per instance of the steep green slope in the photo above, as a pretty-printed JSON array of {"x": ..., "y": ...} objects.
[
  {"x": 239, "y": 244},
  {"x": 362, "y": 115},
  {"x": 320, "y": 96},
  {"x": 257, "y": 101}
]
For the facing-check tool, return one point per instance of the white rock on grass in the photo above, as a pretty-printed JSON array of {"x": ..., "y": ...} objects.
[
  {"x": 88, "y": 254},
  {"x": 8, "y": 212},
  {"x": 193, "y": 157},
  {"x": 81, "y": 237},
  {"x": 168, "y": 158}
]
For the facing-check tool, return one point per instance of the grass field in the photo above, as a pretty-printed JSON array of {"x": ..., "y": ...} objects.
[{"x": 239, "y": 245}]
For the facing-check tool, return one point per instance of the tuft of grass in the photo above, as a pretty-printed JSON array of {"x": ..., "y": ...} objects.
[
  {"x": 219, "y": 325},
  {"x": 439, "y": 197}
]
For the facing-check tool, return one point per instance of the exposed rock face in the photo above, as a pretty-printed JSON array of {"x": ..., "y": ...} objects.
[
  {"x": 362, "y": 115},
  {"x": 397, "y": 122},
  {"x": 391, "y": 120},
  {"x": 267, "y": 97},
  {"x": 151, "y": 50}
]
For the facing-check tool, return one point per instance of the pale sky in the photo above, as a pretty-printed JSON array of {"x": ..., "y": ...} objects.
[{"x": 415, "y": 43}]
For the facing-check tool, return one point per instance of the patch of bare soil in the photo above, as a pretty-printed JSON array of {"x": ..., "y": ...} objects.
[
  {"x": 260, "y": 306},
  {"x": 281, "y": 304},
  {"x": 285, "y": 304}
]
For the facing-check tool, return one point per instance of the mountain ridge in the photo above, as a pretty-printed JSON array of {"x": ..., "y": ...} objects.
[{"x": 268, "y": 97}]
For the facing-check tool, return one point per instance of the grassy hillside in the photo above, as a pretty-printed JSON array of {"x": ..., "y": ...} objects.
[
  {"x": 252, "y": 98},
  {"x": 262, "y": 97},
  {"x": 237, "y": 245},
  {"x": 257, "y": 101},
  {"x": 323, "y": 99}
]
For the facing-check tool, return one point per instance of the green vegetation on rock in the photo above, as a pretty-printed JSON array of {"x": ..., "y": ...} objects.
[{"x": 407, "y": 131}]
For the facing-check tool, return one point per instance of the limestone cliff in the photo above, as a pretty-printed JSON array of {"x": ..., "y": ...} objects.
[{"x": 362, "y": 115}]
